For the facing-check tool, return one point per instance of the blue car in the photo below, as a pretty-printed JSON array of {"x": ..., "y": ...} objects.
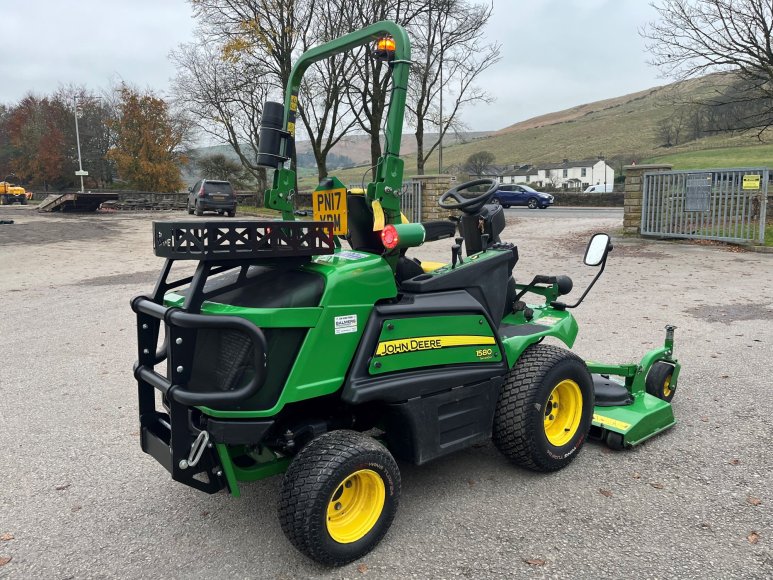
[{"x": 508, "y": 195}]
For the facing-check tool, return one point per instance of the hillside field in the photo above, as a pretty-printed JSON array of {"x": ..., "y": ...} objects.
[
  {"x": 623, "y": 129},
  {"x": 740, "y": 156}
]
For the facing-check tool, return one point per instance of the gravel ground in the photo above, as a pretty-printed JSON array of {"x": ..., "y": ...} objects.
[{"x": 78, "y": 498}]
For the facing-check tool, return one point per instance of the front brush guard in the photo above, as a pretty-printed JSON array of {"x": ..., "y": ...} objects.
[{"x": 172, "y": 438}]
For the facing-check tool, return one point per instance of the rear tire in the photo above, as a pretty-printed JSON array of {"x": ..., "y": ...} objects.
[
  {"x": 658, "y": 382},
  {"x": 189, "y": 209},
  {"x": 232, "y": 213},
  {"x": 545, "y": 409},
  {"x": 339, "y": 497},
  {"x": 199, "y": 211},
  {"x": 533, "y": 203}
]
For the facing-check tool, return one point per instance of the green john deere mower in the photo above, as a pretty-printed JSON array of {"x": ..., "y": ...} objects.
[{"x": 287, "y": 352}]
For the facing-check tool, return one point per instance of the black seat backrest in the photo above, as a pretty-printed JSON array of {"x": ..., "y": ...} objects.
[
  {"x": 489, "y": 220},
  {"x": 361, "y": 236},
  {"x": 486, "y": 280}
]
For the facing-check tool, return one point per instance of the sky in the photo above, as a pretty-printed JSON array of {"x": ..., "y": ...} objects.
[{"x": 555, "y": 53}]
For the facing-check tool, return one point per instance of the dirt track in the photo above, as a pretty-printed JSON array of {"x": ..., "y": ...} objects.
[{"x": 81, "y": 500}]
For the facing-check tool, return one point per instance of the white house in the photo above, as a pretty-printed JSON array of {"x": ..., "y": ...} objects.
[
  {"x": 576, "y": 175},
  {"x": 519, "y": 174},
  {"x": 569, "y": 175}
]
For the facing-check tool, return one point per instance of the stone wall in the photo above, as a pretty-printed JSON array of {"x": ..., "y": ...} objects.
[
  {"x": 634, "y": 193},
  {"x": 432, "y": 187}
]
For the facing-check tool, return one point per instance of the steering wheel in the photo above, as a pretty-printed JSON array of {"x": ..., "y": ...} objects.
[{"x": 469, "y": 205}]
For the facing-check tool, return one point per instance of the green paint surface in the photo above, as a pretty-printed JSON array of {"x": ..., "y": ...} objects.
[
  {"x": 354, "y": 282},
  {"x": 426, "y": 334}
]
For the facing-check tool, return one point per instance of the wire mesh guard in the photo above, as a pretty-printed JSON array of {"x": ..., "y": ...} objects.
[{"x": 221, "y": 240}]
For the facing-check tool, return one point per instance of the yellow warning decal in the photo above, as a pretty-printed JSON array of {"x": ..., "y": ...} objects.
[
  {"x": 751, "y": 182},
  {"x": 293, "y": 103},
  {"x": 291, "y": 129},
  {"x": 429, "y": 343},
  {"x": 607, "y": 422}
]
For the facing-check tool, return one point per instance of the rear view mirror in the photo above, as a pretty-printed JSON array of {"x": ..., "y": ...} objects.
[{"x": 598, "y": 247}]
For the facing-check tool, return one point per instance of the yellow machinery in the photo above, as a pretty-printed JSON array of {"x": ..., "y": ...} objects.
[{"x": 10, "y": 193}]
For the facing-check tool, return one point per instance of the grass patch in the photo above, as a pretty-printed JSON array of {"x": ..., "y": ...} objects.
[
  {"x": 742, "y": 156},
  {"x": 258, "y": 211},
  {"x": 769, "y": 235}
]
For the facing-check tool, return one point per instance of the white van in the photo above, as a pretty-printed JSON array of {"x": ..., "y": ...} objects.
[{"x": 600, "y": 188}]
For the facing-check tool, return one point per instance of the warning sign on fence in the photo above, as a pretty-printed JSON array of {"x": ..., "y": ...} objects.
[{"x": 751, "y": 181}]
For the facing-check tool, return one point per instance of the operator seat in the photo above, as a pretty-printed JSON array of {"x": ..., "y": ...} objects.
[{"x": 361, "y": 236}]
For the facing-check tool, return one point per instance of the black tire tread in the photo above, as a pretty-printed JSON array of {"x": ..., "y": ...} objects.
[
  {"x": 510, "y": 433},
  {"x": 656, "y": 377},
  {"x": 309, "y": 473}
]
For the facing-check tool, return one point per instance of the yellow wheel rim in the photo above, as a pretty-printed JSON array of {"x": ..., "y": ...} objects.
[
  {"x": 355, "y": 506},
  {"x": 667, "y": 387},
  {"x": 563, "y": 412}
]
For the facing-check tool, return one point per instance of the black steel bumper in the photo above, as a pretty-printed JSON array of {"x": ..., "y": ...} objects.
[{"x": 170, "y": 436}]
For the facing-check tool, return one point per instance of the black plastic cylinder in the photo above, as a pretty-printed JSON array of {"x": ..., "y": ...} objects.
[{"x": 271, "y": 135}]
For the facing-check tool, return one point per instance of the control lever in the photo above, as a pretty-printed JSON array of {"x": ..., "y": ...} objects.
[
  {"x": 484, "y": 238},
  {"x": 459, "y": 242},
  {"x": 456, "y": 254}
]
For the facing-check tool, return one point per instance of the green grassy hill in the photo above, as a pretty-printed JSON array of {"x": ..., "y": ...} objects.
[
  {"x": 623, "y": 129},
  {"x": 739, "y": 156}
]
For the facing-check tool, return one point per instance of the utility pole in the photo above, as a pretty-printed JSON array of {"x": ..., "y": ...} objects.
[
  {"x": 440, "y": 126},
  {"x": 78, "y": 140}
]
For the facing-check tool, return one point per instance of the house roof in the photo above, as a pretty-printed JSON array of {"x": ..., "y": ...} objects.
[
  {"x": 522, "y": 170},
  {"x": 569, "y": 163}
]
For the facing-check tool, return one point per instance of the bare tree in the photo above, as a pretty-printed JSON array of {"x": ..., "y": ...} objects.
[
  {"x": 219, "y": 166},
  {"x": 478, "y": 162},
  {"x": 696, "y": 37},
  {"x": 324, "y": 104},
  {"x": 449, "y": 55},
  {"x": 263, "y": 37},
  {"x": 368, "y": 85},
  {"x": 552, "y": 179},
  {"x": 269, "y": 32},
  {"x": 224, "y": 98}
]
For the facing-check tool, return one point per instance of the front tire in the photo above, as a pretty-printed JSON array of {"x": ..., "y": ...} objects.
[
  {"x": 658, "y": 383},
  {"x": 533, "y": 203},
  {"x": 545, "y": 409},
  {"x": 339, "y": 497}
]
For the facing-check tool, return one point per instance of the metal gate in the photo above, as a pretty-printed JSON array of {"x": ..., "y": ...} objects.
[
  {"x": 410, "y": 200},
  {"x": 722, "y": 204}
]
